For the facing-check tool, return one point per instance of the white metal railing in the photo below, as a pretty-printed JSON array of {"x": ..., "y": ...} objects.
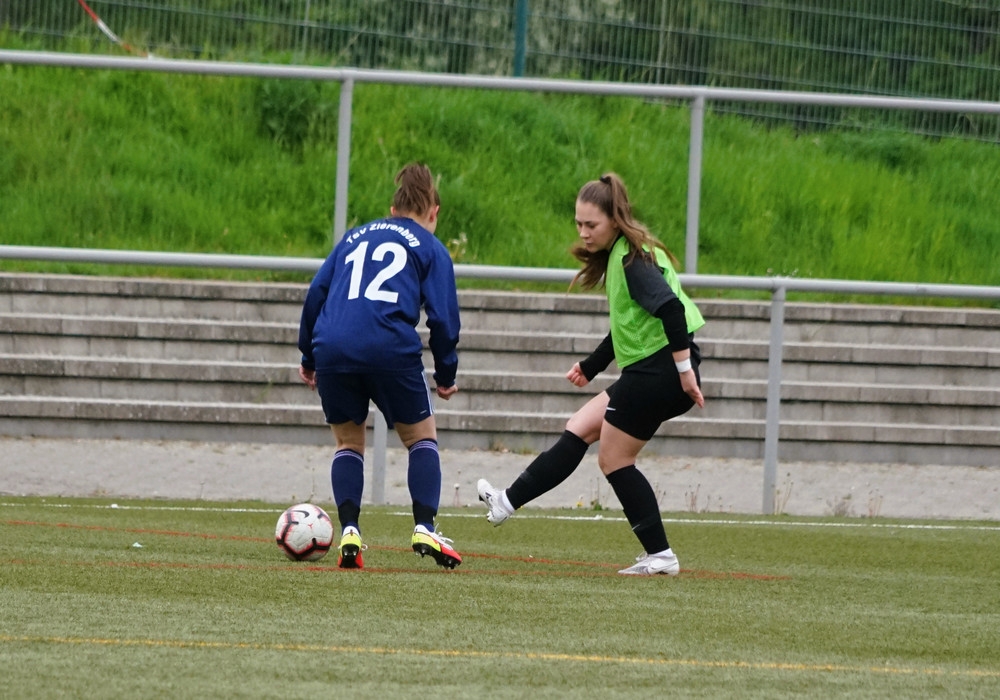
[{"x": 777, "y": 286}]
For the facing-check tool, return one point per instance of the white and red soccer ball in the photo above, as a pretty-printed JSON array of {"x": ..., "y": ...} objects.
[{"x": 304, "y": 532}]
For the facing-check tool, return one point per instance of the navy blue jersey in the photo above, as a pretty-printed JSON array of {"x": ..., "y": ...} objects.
[{"x": 363, "y": 307}]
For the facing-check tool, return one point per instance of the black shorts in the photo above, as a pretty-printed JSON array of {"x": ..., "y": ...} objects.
[{"x": 644, "y": 397}]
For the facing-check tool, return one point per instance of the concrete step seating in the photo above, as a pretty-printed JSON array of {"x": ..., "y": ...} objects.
[{"x": 180, "y": 359}]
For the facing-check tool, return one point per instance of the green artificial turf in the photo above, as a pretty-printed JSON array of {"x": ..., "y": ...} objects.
[{"x": 763, "y": 607}]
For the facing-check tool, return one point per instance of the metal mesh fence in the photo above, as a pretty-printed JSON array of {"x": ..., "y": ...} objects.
[{"x": 920, "y": 48}]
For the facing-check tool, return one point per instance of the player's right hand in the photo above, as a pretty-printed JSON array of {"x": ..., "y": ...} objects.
[
  {"x": 308, "y": 376},
  {"x": 576, "y": 376}
]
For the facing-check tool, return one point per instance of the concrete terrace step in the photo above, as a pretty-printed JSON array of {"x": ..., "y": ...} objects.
[
  {"x": 150, "y": 298},
  {"x": 127, "y": 368},
  {"x": 123, "y": 378},
  {"x": 805, "y": 322},
  {"x": 118, "y": 326},
  {"x": 727, "y": 358},
  {"x": 94, "y": 418},
  {"x": 182, "y": 339}
]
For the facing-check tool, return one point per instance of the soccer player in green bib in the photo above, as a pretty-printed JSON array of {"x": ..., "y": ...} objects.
[{"x": 652, "y": 325}]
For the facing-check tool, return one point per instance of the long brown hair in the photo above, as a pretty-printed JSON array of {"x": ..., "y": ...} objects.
[
  {"x": 415, "y": 190},
  {"x": 610, "y": 196}
]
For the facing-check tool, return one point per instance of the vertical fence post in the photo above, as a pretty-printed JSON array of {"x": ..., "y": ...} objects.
[
  {"x": 694, "y": 184},
  {"x": 520, "y": 37},
  {"x": 305, "y": 32},
  {"x": 773, "y": 420},
  {"x": 343, "y": 158}
]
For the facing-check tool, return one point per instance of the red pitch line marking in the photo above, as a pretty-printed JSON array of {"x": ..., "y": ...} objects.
[
  {"x": 311, "y": 568},
  {"x": 692, "y": 573},
  {"x": 686, "y": 573},
  {"x": 526, "y": 560},
  {"x": 373, "y": 570},
  {"x": 141, "y": 564}
]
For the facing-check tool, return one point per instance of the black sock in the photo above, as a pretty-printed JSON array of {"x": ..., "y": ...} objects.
[
  {"x": 640, "y": 506},
  {"x": 348, "y": 513},
  {"x": 548, "y": 470},
  {"x": 424, "y": 514}
]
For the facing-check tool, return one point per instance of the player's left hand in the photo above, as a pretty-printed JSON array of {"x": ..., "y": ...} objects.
[{"x": 689, "y": 383}]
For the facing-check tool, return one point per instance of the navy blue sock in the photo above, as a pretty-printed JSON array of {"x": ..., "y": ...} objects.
[
  {"x": 640, "y": 506},
  {"x": 347, "y": 475},
  {"x": 548, "y": 470},
  {"x": 423, "y": 477}
]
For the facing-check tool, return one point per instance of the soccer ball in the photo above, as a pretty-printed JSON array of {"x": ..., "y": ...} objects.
[{"x": 304, "y": 532}]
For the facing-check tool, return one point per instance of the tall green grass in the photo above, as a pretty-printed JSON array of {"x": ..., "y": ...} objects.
[
  {"x": 764, "y": 607},
  {"x": 151, "y": 161}
]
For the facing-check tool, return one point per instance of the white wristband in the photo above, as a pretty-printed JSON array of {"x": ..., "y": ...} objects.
[{"x": 684, "y": 365}]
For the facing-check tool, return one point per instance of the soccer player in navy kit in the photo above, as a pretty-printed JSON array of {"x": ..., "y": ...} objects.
[
  {"x": 652, "y": 339},
  {"x": 359, "y": 342}
]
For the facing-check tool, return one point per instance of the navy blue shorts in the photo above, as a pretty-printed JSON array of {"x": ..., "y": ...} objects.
[{"x": 402, "y": 398}]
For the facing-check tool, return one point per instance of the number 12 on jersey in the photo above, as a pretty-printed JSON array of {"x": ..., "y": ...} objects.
[{"x": 358, "y": 259}]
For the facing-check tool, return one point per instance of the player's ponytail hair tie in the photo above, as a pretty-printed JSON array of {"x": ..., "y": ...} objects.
[{"x": 606, "y": 179}]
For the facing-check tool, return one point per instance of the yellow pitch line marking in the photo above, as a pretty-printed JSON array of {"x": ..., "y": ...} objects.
[{"x": 529, "y": 656}]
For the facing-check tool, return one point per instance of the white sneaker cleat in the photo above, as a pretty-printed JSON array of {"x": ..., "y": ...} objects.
[
  {"x": 495, "y": 501},
  {"x": 649, "y": 564}
]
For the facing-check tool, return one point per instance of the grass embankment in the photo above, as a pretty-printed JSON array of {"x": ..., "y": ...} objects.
[{"x": 162, "y": 162}]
